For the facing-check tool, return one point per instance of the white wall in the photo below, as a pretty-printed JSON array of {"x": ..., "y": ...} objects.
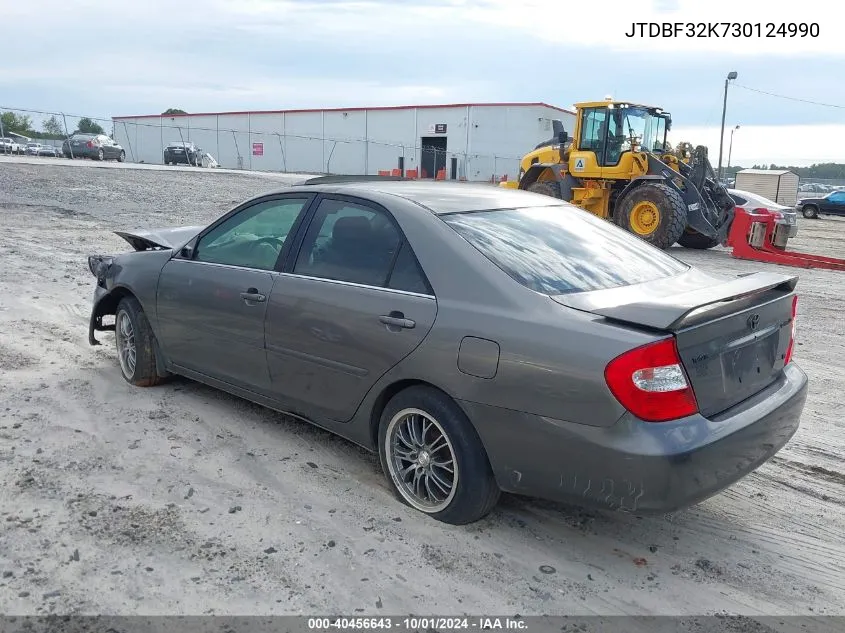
[
  {"x": 266, "y": 129},
  {"x": 500, "y": 136},
  {"x": 487, "y": 140}
]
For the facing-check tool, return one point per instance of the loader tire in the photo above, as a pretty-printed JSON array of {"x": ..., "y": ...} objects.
[
  {"x": 547, "y": 188},
  {"x": 694, "y": 239},
  {"x": 655, "y": 213}
]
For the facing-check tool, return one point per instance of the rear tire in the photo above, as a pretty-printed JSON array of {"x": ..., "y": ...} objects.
[
  {"x": 101, "y": 155},
  {"x": 423, "y": 433},
  {"x": 810, "y": 212},
  {"x": 135, "y": 343},
  {"x": 694, "y": 239},
  {"x": 547, "y": 188},
  {"x": 636, "y": 214}
]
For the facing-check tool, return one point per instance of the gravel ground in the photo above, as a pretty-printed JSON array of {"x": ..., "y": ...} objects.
[{"x": 184, "y": 500}]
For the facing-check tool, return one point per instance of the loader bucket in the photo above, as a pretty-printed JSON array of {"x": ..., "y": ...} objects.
[{"x": 754, "y": 236}]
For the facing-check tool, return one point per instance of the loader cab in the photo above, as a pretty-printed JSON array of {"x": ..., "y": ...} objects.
[{"x": 611, "y": 138}]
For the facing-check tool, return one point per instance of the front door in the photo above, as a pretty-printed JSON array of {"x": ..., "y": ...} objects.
[
  {"x": 351, "y": 306},
  {"x": 835, "y": 203},
  {"x": 211, "y": 305}
]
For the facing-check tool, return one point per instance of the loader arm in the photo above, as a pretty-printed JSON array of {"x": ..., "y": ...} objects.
[{"x": 709, "y": 207}]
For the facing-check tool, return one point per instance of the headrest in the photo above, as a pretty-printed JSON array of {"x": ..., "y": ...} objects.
[{"x": 351, "y": 229}]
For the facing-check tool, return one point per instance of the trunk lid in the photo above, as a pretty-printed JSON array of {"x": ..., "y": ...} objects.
[{"x": 732, "y": 333}]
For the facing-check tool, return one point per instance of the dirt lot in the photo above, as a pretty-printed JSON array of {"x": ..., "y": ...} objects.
[{"x": 181, "y": 499}]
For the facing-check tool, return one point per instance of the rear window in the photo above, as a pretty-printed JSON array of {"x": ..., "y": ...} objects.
[{"x": 561, "y": 249}]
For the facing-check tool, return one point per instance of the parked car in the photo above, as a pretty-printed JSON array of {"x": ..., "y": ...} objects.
[
  {"x": 478, "y": 339},
  {"x": 31, "y": 149},
  {"x": 831, "y": 204},
  {"x": 49, "y": 150},
  {"x": 10, "y": 146},
  {"x": 752, "y": 202},
  {"x": 179, "y": 152},
  {"x": 97, "y": 146}
]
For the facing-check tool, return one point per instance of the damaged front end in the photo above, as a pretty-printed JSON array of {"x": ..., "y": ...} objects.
[{"x": 100, "y": 267}]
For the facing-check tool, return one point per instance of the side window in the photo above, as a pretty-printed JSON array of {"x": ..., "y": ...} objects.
[
  {"x": 593, "y": 129},
  {"x": 739, "y": 201},
  {"x": 838, "y": 197},
  {"x": 407, "y": 274},
  {"x": 252, "y": 238},
  {"x": 349, "y": 242}
]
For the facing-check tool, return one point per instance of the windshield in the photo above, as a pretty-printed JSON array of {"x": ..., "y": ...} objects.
[
  {"x": 659, "y": 144},
  {"x": 639, "y": 129},
  {"x": 562, "y": 249}
]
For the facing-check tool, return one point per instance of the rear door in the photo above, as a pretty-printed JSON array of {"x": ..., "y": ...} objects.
[
  {"x": 212, "y": 301},
  {"x": 352, "y": 303}
]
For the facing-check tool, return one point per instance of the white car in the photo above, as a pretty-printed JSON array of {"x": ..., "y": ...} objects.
[
  {"x": 31, "y": 149},
  {"x": 8, "y": 146},
  {"x": 753, "y": 202}
]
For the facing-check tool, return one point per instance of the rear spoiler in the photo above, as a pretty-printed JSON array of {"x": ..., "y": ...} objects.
[{"x": 674, "y": 311}]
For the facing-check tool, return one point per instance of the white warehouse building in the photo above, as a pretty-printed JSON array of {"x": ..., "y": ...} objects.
[{"x": 474, "y": 141}]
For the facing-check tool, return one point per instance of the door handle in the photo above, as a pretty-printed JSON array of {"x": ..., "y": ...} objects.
[
  {"x": 397, "y": 319},
  {"x": 252, "y": 295}
]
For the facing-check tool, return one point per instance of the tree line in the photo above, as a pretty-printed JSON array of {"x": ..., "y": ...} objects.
[
  {"x": 820, "y": 171},
  {"x": 51, "y": 128}
]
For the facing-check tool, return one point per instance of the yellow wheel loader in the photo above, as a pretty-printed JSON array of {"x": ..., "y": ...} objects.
[{"x": 618, "y": 166}]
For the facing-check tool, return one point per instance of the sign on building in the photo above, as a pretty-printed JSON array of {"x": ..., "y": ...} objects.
[
  {"x": 437, "y": 128},
  {"x": 258, "y": 149}
]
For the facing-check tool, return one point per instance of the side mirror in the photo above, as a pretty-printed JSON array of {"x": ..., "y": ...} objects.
[
  {"x": 187, "y": 251},
  {"x": 562, "y": 137}
]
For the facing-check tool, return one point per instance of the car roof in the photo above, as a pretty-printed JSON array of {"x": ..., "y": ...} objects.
[
  {"x": 438, "y": 197},
  {"x": 754, "y": 197}
]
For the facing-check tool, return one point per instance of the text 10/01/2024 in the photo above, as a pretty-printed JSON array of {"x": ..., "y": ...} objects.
[{"x": 417, "y": 623}]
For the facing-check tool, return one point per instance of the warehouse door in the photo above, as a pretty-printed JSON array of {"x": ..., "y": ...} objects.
[{"x": 433, "y": 157}]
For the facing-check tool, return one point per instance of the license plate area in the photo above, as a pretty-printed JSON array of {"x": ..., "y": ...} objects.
[{"x": 751, "y": 365}]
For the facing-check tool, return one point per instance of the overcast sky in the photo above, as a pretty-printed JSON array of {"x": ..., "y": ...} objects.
[{"x": 109, "y": 58}]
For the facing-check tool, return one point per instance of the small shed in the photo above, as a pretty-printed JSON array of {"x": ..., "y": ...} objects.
[{"x": 779, "y": 185}]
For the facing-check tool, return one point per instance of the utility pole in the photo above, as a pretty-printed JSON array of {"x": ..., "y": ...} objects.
[
  {"x": 731, "y": 75},
  {"x": 731, "y": 146}
]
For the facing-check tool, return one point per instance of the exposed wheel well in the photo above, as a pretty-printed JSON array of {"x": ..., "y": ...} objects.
[
  {"x": 109, "y": 303},
  {"x": 385, "y": 396}
]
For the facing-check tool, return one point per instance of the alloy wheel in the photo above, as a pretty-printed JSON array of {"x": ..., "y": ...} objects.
[
  {"x": 125, "y": 337},
  {"x": 421, "y": 460}
]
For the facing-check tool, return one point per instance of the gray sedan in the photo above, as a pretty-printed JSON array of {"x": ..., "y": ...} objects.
[{"x": 479, "y": 339}]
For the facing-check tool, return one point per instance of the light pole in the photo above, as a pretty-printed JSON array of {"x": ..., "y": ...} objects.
[
  {"x": 731, "y": 75},
  {"x": 731, "y": 146}
]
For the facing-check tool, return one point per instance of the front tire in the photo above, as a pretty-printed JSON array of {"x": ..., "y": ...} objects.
[
  {"x": 433, "y": 458},
  {"x": 654, "y": 212},
  {"x": 810, "y": 212},
  {"x": 121, "y": 157},
  {"x": 135, "y": 343}
]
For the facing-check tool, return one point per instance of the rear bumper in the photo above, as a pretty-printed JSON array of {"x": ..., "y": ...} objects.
[
  {"x": 192, "y": 159},
  {"x": 637, "y": 466}
]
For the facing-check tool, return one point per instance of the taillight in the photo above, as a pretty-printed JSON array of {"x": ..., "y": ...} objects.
[
  {"x": 650, "y": 382},
  {"x": 789, "y": 349},
  {"x": 90, "y": 143}
]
